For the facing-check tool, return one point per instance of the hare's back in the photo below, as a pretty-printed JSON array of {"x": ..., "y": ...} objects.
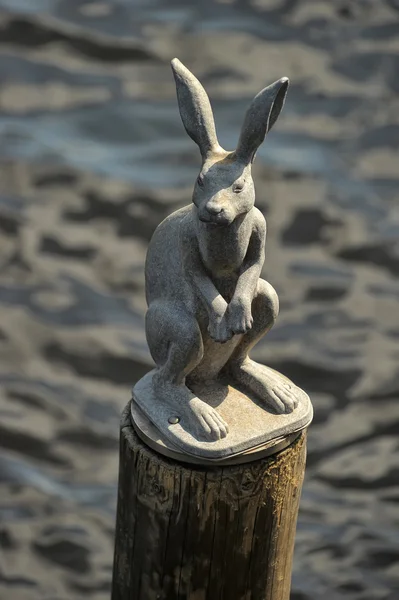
[{"x": 163, "y": 269}]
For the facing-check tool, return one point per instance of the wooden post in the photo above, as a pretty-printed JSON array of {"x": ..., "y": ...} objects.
[{"x": 205, "y": 533}]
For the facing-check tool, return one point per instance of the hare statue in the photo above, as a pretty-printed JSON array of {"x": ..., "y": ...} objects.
[{"x": 207, "y": 306}]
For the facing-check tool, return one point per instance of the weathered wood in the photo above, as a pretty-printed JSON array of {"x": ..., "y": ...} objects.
[{"x": 186, "y": 532}]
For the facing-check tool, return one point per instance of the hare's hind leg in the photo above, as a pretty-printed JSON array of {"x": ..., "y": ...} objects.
[
  {"x": 175, "y": 343},
  {"x": 264, "y": 382},
  {"x": 174, "y": 340}
]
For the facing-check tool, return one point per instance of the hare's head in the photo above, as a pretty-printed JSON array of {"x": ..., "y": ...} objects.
[{"x": 224, "y": 188}]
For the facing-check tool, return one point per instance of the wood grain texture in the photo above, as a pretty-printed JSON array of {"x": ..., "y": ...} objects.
[{"x": 194, "y": 533}]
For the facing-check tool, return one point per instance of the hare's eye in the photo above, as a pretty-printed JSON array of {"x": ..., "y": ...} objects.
[
  {"x": 200, "y": 181},
  {"x": 238, "y": 187}
]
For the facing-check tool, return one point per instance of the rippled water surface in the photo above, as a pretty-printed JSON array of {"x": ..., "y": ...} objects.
[{"x": 93, "y": 156}]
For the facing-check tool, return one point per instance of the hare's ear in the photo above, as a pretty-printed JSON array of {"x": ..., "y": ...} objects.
[
  {"x": 195, "y": 108},
  {"x": 260, "y": 118}
]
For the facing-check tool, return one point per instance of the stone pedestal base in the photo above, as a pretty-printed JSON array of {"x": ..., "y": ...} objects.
[{"x": 252, "y": 427}]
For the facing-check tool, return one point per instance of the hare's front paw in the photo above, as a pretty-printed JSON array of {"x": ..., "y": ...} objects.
[
  {"x": 239, "y": 318},
  {"x": 218, "y": 329}
]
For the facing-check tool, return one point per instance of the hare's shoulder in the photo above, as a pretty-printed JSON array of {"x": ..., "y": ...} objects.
[
  {"x": 258, "y": 221},
  {"x": 165, "y": 242},
  {"x": 174, "y": 219}
]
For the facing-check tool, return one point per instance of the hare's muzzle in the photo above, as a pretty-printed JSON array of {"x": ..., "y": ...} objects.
[
  {"x": 219, "y": 220},
  {"x": 215, "y": 214},
  {"x": 214, "y": 209}
]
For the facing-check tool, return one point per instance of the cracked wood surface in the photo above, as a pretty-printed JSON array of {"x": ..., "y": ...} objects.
[{"x": 185, "y": 532}]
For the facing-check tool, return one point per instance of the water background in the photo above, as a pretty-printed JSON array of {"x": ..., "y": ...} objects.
[{"x": 93, "y": 156}]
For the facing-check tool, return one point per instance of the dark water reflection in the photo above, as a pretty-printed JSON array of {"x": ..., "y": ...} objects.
[{"x": 93, "y": 156}]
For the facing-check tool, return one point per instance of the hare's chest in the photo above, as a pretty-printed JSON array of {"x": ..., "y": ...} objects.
[{"x": 223, "y": 256}]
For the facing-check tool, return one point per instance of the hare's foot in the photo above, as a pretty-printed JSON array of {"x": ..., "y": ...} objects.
[
  {"x": 267, "y": 385},
  {"x": 194, "y": 415},
  {"x": 208, "y": 423}
]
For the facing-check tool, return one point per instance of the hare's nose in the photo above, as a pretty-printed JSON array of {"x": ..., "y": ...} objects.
[{"x": 214, "y": 209}]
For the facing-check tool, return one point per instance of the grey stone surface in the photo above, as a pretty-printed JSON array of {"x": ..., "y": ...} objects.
[
  {"x": 152, "y": 436},
  {"x": 250, "y": 425},
  {"x": 207, "y": 306}
]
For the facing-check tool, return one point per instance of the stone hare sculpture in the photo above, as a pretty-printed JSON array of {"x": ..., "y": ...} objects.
[{"x": 207, "y": 305}]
